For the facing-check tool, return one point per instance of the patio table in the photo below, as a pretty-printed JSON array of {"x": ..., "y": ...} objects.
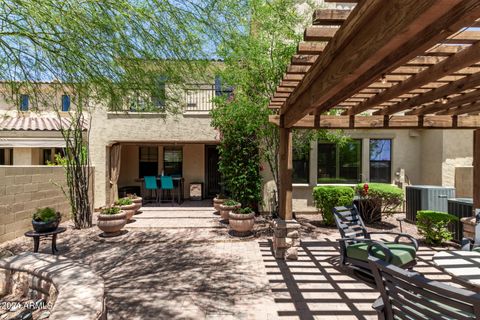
[{"x": 461, "y": 265}]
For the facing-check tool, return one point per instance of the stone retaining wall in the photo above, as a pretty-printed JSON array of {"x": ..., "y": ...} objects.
[
  {"x": 23, "y": 189},
  {"x": 74, "y": 290}
]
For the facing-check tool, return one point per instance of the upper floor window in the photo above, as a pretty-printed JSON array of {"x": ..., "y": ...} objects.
[
  {"x": 339, "y": 163},
  {"x": 158, "y": 96},
  {"x": 220, "y": 89},
  {"x": 66, "y": 103},
  {"x": 24, "y": 102},
  {"x": 381, "y": 160}
]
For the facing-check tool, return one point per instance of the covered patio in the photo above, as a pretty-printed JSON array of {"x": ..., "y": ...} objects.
[
  {"x": 191, "y": 165},
  {"x": 382, "y": 65}
]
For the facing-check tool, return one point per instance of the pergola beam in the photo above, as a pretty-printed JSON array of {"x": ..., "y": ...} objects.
[
  {"x": 384, "y": 122},
  {"x": 451, "y": 103},
  {"x": 378, "y": 47},
  {"x": 461, "y": 60},
  {"x": 329, "y": 17},
  {"x": 438, "y": 93}
]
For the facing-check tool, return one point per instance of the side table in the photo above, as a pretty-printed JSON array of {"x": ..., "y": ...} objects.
[{"x": 36, "y": 238}]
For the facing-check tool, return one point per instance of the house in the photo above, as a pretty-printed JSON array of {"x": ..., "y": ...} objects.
[
  {"x": 184, "y": 144},
  {"x": 402, "y": 157},
  {"x": 152, "y": 142}
]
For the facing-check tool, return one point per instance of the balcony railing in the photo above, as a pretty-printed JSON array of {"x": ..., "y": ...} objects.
[
  {"x": 195, "y": 98},
  {"x": 199, "y": 98}
]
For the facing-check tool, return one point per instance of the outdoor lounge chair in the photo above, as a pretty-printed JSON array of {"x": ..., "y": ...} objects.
[
  {"x": 473, "y": 244},
  {"x": 355, "y": 240},
  {"x": 409, "y": 295}
]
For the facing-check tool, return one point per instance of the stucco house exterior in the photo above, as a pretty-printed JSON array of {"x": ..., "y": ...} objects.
[{"x": 154, "y": 143}]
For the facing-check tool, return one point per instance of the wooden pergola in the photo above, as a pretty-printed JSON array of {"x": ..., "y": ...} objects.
[{"x": 396, "y": 64}]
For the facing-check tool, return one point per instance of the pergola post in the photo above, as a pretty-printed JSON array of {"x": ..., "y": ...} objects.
[
  {"x": 476, "y": 169},
  {"x": 285, "y": 174},
  {"x": 286, "y": 239}
]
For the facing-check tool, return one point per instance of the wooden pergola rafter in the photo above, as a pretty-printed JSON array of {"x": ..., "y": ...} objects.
[{"x": 385, "y": 64}]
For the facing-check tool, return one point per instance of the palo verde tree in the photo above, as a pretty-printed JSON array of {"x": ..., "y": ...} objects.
[
  {"x": 256, "y": 56},
  {"x": 99, "y": 51}
]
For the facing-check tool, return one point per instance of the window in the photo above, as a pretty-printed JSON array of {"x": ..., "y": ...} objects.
[
  {"x": 381, "y": 160},
  {"x": 301, "y": 168},
  {"x": 6, "y": 157},
  {"x": 172, "y": 161},
  {"x": 24, "y": 101},
  {"x": 65, "y": 103},
  {"x": 221, "y": 90},
  {"x": 339, "y": 163},
  {"x": 46, "y": 156},
  {"x": 158, "y": 97},
  {"x": 148, "y": 164}
]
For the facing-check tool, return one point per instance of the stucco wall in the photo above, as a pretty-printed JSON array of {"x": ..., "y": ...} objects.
[
  {"x": 109, "y": 128},
  {"x": 464, "y": 182},
  {"x": 431, "y": 157},
  {"x": 193, "y": 165},
  {"x": 23, "y": 189},
  {"x": 457, "y": 152}
]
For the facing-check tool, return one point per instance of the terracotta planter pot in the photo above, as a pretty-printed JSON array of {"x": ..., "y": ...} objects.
[
  {"x": 112, "y": 223},
  {"x": 241, "y": 223},
  {"x": 129, "y": 210},
  {"x": 217, "y": 202},
  {"x": 225, "y": 210},
  {"x": 138, "y": 203}
]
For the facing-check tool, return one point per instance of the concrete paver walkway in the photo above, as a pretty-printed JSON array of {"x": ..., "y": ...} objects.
[
  {"x": 179, "y": 263},
  {"x": 175, "y": 217}
]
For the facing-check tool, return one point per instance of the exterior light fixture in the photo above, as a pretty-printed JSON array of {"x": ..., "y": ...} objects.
[{"x": 383, "y": 79}]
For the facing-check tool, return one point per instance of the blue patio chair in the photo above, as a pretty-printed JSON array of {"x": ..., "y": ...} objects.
[
  {"x": 151, "y": 184},
  {"x": 167, "y": 185}
]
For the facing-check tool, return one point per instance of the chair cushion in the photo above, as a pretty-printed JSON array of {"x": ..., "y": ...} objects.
[
  {"x": 477, "y": 249},
  {"x": 401, "y": 253}
]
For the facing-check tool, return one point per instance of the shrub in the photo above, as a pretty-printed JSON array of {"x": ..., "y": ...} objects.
[
  {"x": 380, "y": 198},
  {"x": 110, "y": 210},
  {"x": 45, "y": 214},
  {"x": 433, "y": 226},
  {"x": 328, "y": 197},
  {"x": 246, "y": 210},
  {"x": 230, "y": 203},
  {"x": 124, "y": 202}
]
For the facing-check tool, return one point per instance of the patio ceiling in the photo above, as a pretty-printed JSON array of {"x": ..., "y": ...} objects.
[{"x": 385, "y": 64}]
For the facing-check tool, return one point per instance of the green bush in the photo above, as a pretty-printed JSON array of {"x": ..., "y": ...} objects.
[
  {"x": 230, "y": 203},
  {"x": 328, "y": 197},
  {"x": 381, "y": 198},
  {"x": 45, "y": 214},
  {"x": 110, "y": 210},
  {"x": 246, "y": 210},
  {"x": 124, "y": 202},
  {"x": 433, "y": 226}
]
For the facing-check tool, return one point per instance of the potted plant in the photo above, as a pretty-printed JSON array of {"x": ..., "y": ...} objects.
[
  {"x": 111, "y": 220},
  {"x": 45, "y": 220},
  {"x": 218, "y": 200},
  {"x": 242, "y": 220},
  {"x": 228, "y": 206},
  {"x": 136, "y": 200},
  {"x": 127, "y": 205}
]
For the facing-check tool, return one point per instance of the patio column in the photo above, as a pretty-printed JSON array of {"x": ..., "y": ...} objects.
[
  {"x": 476, "y": 169},
  {"x": 285, "y": 174},
  {"x": 286, "y": 239}
]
